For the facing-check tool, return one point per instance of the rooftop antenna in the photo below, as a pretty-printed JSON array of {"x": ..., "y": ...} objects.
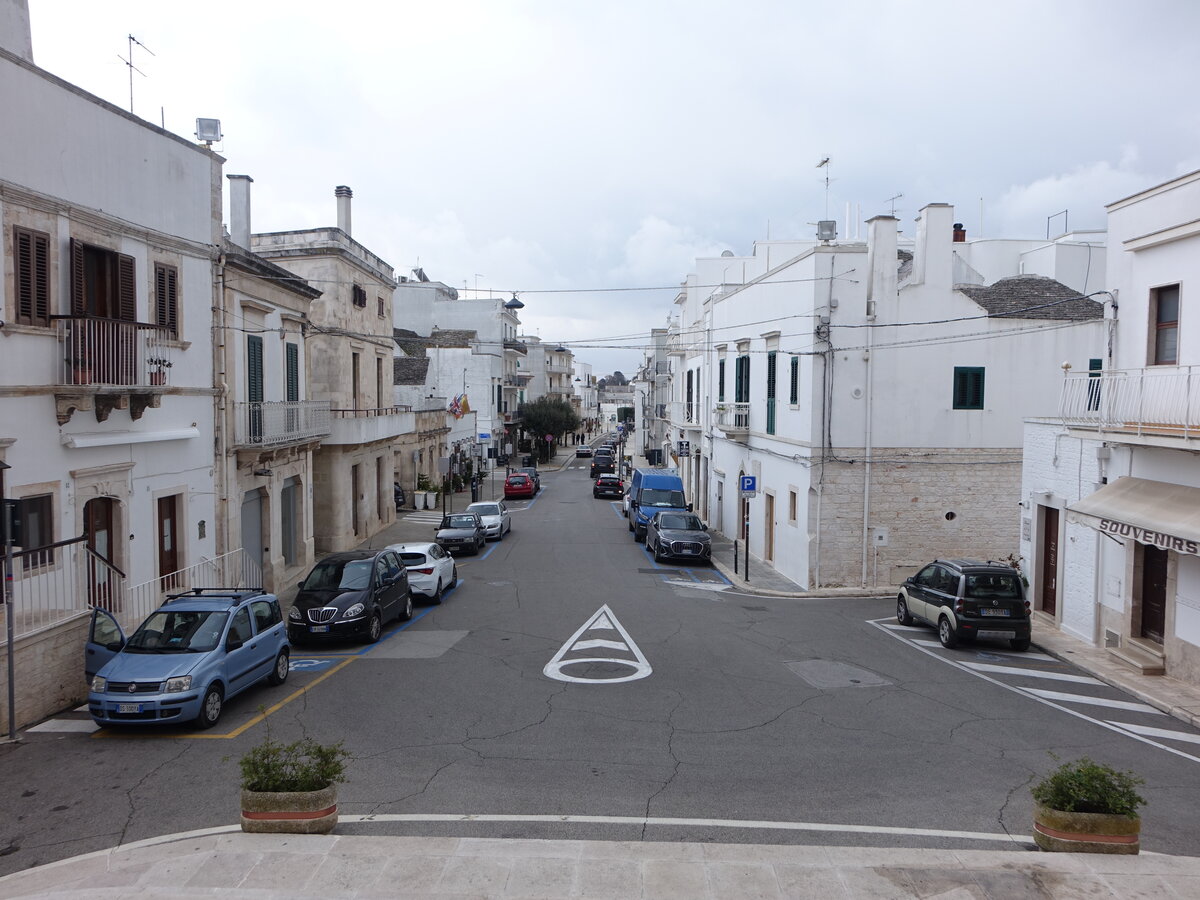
[
  {"x": 892, "y": 200},
  {"x": 824, "y": 164},
  {"x": 132, "y": 67}
]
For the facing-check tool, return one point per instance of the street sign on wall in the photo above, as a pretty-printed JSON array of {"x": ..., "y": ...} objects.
[
  {"x": 685, "y": 448},
  {"x": 748, "y": 485}
]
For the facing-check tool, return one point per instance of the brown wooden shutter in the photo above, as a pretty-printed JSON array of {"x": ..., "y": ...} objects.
[
  {"x": 166, "y": 308},
  {"x": 31, "y": 252},
  {"x": 126, "y": 289},
  {"x": 78, "y": 292}
]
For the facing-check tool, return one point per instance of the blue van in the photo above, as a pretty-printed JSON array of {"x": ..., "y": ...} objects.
[{"x": 650, "y": 491}]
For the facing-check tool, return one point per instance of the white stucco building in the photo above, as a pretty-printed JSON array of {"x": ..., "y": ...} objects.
[
  {"x": 1110, "y": 534},
  {"x": 877, "y": 394},
  {"x": 106, "y": 358}
]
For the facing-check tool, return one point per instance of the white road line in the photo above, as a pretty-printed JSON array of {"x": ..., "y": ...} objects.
[
  {"x": 1006, "y": 653},
  {"x": 588, "y": 645},
  {"x": 699, "y": 823},
  {"x": 1159, "y": 732},
  {"x": 1096, "y": 701},
  {"x": 1030, "y": 673}
]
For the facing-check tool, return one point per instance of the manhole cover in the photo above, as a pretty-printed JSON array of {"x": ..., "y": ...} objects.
[{"x": 824, "y": 674}]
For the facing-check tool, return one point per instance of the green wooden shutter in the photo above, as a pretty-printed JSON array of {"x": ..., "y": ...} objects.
[
  {"x": 721, "y": 381},
  {"x": 293, "y": 372},
  {"x": 254, "y": 368},
  {"x": 166, "y": 299},
  {"x": 794, "y": 394}
]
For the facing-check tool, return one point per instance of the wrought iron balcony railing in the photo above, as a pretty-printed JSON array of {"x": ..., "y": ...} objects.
[
  {"x": 1156, "y": 400},
  {"x": 278, "y": 423},
  {"x": 112, "y": 352},
  {"x": 733, "y": 418}
]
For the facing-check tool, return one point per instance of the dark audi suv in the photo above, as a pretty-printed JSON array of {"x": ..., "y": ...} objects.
[
  {"x": 350, "y": 595},
  {"x": 966, "y": 599}
]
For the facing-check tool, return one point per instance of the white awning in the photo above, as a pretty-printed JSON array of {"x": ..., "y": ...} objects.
[{"x": 1150, "y": 512}]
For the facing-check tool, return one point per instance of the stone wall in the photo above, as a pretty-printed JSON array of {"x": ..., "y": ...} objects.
[
  {"x": 49, "y": 672},
  {"x": 924, "y": 503}
]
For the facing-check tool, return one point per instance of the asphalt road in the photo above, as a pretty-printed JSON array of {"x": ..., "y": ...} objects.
[{"x": 704, "y": 715}]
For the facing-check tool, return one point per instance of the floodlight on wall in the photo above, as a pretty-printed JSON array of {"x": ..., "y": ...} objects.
[
  {"x": 208, "y": 131},
  {"x": 514, "y": 303}
]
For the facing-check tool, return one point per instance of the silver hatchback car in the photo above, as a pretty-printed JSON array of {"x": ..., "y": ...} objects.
[{"x": 497, "y": 522}]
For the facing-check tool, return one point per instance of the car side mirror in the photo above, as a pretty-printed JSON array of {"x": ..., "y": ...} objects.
[
  {"x": 705, "y": 527},
  {"x": 689, "y": 507}
]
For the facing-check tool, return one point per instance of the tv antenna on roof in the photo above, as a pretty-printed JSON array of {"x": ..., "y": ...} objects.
[
  {"x": 892, "y": 200},
  {"x": 824, "y": 164},
  {"x": 132, "y": 67}
]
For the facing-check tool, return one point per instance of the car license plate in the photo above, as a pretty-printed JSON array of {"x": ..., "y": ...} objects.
[
  {"x": 995, "y": 612},
  {"x": 129, "y": 707},
  {"x": 317, "y": 629},
  {"x": 984, "y": 633}
]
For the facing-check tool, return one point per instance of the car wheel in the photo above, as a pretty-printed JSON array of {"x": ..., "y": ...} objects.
[
  {"x": 630, "y": 523},
  {"x": 638, "y": 538},
  {"x": 902, "y": 614},
  {"x": 279, "y": 674},
  {"x": 211, "y": 706},
  {"x": 406, "y": 610},
  {"x": 1019, "y": 644},
  {"x": 500, "y": 536},
  {"x": 436, "y": 599},
  {"x": 374, "y": 628},
  {"x": 946, "y": 633},
  {"x": 656, "y": 550},
  {"x": 454, "y": 576}
]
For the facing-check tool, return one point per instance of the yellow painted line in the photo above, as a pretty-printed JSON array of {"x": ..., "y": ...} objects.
[{"x": 206, "y": 736}]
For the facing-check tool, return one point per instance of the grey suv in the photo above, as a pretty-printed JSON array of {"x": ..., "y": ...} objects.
[{"x": 966, "y": 599}]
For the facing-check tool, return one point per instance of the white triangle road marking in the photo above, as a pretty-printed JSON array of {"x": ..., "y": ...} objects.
[{"x": 602, "y": 620}]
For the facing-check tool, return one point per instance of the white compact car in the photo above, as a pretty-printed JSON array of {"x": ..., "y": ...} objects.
[
  {"x": 496, "y": 519},
  {"x": 431, "y": 570}
]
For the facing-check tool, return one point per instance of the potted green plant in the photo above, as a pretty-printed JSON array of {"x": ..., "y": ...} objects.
[
  {"x": 291, "y": 788},
  {"x": 1088, "y": 807}
]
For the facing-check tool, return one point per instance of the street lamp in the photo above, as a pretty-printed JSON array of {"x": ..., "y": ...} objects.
[{"x": 514, "y": 303}]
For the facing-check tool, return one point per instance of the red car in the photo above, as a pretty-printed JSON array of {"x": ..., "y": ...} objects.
[{"x": 518, "y": 485}]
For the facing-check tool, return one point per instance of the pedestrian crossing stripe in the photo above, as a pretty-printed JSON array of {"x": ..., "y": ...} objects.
[
  {"x": 1096, "y": 701},
  {"x": 1168, "y": 733},
  {"x": 602, "y": 620}
]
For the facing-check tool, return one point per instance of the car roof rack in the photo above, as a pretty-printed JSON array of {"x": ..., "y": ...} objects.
[{"x": 233, "y": 595}]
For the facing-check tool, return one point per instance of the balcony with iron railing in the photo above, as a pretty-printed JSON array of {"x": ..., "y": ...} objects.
[
  {"x": 109, "y": 352},
  {"x": 365, "y": 426},
  {"x": 1152, "y": 402},
  {"x": 557, "y": 369},
  {"x": 280, "y": 423},
  {"x": 733, "y": 418},
  {"x": 517, "y": 347}
]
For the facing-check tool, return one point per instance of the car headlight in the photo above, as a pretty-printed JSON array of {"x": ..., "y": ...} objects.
[
  {"x": 99, "y": 685},
  {"x": 294, "y": 615},
  {"x": 352, "y": 611},
  {"x": 182, "y": 683}
]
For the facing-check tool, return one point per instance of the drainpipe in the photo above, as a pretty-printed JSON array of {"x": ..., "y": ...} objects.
[{"x": 866, "y": 527}]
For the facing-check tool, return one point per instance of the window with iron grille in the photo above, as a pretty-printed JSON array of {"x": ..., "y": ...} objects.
[
  {"x": 968, "y": 387},
  {"x": 794, "y": 393},
  {"x": 31, "y": 271},
  {"x": 37, "y": 515},
  {"x": 358, "y": 295},
  {"x": 166, "y": 298},
  {"x": 1095, "y": 370}
]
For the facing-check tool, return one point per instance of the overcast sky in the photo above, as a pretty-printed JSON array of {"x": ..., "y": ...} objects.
[{"x": 552, "y": 145}]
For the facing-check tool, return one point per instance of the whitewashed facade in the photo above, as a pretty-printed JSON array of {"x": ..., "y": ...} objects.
[
  {"x": 1110, "y": 488},
  {"x": 876, "y": 393}
]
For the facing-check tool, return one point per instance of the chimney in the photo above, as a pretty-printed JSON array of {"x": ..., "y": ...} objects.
[
  {"x": 960, "y": 233},
  {"x": 15, "y": 35},
  {"x": 933, "y": 259},
  {"x": 882, "y": 263},
  {"x": 239, "y": 209},
  {"x": 343, "y": 194}
]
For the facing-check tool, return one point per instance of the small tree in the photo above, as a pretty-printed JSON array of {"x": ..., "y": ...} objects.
[{"x": 546, "y": 416}]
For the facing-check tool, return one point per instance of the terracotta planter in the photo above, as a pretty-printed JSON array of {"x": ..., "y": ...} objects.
[
  {"x": 291, "y": 812},
  {"x": 1078, "y": 832}
]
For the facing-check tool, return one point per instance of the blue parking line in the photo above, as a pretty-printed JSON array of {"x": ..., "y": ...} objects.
[{"x": 615, "y": 508}]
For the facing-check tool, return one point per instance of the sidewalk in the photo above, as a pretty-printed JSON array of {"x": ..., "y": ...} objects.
[{"x": 227, "y": 863}]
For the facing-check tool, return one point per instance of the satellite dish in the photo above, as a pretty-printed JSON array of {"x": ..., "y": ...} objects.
[{"x": 726, "y": 253}]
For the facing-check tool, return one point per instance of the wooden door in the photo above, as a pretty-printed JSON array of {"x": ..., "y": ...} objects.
[
  {"x": 769, "y": 525},
  {"x": 1048, "y": 594},
  {"x": 98, "y": 528},
  {"x": 1154, "y": 593},
  {"x": 168, "y": 542}
]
